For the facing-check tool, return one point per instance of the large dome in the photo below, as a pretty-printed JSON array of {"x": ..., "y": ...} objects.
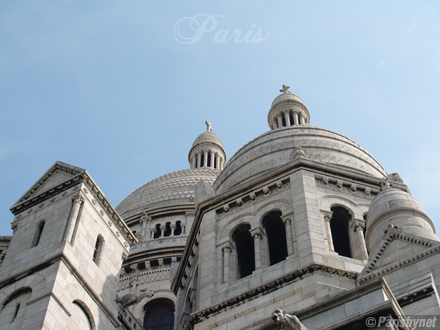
[
  {"x": 277, "y": 147},
  {"x": 173, "y": 189}
]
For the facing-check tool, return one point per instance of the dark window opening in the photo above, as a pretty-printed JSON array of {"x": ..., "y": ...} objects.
[
  {"x": 196, "y": 156},
  {"x": 202, "y": 160},
  {"x": 98, "y": 249},
  {"x": 339, "y": 227},
  {"x": 159, "y": 315},
  {"x": 244, "y": 244},
  {"x": 38, "y": 234},
  {"x": 167, "y": 229},
  {"x": 215, "y": 162},
  {"x": 209, "y": 159},
  {"x": 178, "y": 230},
  {"x": 276, "y": 236},
  {"x": 158, "y": 231},
  {"x": 292, "y": 121},
  {"x": 283, "y": 119}
]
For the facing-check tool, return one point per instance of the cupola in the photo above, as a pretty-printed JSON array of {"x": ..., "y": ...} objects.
[
  {"x": 287, "y": 110},
  {"x": 207, "y": 151}
]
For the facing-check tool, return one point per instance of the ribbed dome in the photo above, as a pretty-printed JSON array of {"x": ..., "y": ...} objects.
[
  {"x": 173, "y": 189},
  {"x": 277, "y": 148},
  {"x": 397, "y": 207},
  {"x": 208, "y": 136}
]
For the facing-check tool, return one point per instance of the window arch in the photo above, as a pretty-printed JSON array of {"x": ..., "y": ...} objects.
[
  {"x": 245, "y": 250},
  {"x": 11, "y": 311},
  {"x": 339, "y": 225},
  {"x": 38, "y": 234},
  {"x": 81, "y": 316},
  {"x": 276, "y": 236},
  {"x": 97, "y": 252},
  {"x": 159, "y": 314}
]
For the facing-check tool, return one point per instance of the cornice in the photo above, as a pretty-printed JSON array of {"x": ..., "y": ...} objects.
[
  {"x": 83, "y": 177},
  {"x": 264, "y": 289}
]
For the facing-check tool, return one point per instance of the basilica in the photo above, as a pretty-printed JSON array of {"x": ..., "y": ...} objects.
[{"x": 301, "y": 229}]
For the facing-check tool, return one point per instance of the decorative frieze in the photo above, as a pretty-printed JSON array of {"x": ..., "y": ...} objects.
[
  {"x": 252, "y": 197},
  {"x": 346, "y": 186},
  {"x": 145, "y": 276}
]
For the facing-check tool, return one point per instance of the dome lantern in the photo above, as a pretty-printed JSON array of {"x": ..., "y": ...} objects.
[
  {"x": 207, "y": 151},
  {"x": 287, "y": 110}
]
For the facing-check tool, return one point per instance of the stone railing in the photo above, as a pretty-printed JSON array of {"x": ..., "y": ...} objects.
[{"x": 129, "y": 320}]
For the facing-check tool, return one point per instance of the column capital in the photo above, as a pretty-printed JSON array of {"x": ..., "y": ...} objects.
[
  {"x": 78, "y": 198},
  {"x": 358, "y": 224},
  {"x": 257, "y": 233},
  {"x": 226, "y": 248},
  {"x": 327, "y": 217}
]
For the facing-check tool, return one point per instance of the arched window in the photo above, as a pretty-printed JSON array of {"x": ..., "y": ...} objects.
[
  {"x": 167, "y": 229},
  {"x": 10, "y": 313},
  {"x": 244, "y": 244},
  {"x": 158, "y": 231},
  {"x": 97, "y": 252},
  {"x": 80, "y": 317},
  {"x": 178, "y": 230},
  {"x": 276, "y": 236},
  {"x": 159, "y": 315},
  {"x": 339, "y": 224},
  {"x": 38, "y": 233}
]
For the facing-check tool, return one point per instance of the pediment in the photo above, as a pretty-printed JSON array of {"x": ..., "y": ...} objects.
[
  {"x": 398, "y": 249},
  {"x": 57, "y": 174}
]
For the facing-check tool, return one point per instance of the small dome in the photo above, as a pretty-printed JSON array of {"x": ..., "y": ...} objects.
[
  {"x": 286, "y": 97},
  {"x": 208, "y": 136},
  {"x": 287, "y": 110},
  {"x": 173, "y": 189},
  {"x": 207, "y": 151},
  {"x": 397, "y": 207}
]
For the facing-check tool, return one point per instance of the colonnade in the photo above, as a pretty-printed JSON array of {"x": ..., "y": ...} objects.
[
  {"x": 289, "y": 118},
  {"x": 208, "y": 159}
]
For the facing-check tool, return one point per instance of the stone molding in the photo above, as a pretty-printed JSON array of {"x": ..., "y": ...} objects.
[
  {"x": 144, "y": 276},
  {"x": 83, "y": 177},
  {"x": 264, "y": 289},
  {"x": 346, "y": 186},
  {"x": 392, "y": 234},
  {"x": 252, "y": 197}
]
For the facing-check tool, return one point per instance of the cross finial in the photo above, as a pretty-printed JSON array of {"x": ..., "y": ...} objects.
[
  {"x": 208, "y": 126},
  {"x": 285, "y": 89}
]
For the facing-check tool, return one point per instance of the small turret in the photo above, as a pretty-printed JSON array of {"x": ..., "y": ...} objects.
[
  {"x": 207, "y": 151},
  {"x": 287, "y": 110}
]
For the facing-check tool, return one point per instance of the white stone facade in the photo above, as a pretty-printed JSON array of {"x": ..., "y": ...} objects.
[{"x": 301, "y": 221}]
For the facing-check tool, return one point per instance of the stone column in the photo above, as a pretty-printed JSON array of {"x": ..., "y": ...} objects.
[
  {"x": 205, "y": 160},
  {"x": 295, "y": 118},
  {"x": 221, "y": 163},
  {"x": 226, "y": 253},
  {"x": 173, "y": 226},
  {"x": 258, "y": 236},
  {"x": 327, "y": 219},
  {"x": 162, "y": 231},
  {"x": 198, "y": 160},
  {"x": 77, "y": 201},
  {"x": 280, "y": 121},
  {"x": 212, "y": 159},
  {"x": 359, "y": 229},
  {"x": 152, "y": 232},
  {"x": 275, "y": 123},
  {"x": 302, "y": 120},
  {"x": 289, "y": 241},
  {"x": 287, "y": 117}
]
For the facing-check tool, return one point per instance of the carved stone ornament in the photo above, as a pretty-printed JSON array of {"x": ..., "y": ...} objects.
[
  {"x": 133, "y": 298},
  {"x": 288, "y": 322},
  {"x": 298, "y": 153}
]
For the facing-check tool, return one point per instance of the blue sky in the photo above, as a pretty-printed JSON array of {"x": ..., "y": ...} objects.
[{"x": 107, "y": 85}]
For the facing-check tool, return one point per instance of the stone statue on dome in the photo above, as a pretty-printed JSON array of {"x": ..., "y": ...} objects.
[{"x": 208, "y": 126}]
